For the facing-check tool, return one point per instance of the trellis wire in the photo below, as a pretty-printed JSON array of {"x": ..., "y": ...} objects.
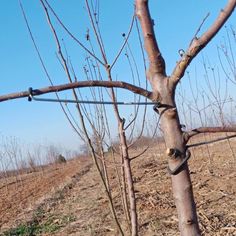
[{"x": 32, "y": 97}]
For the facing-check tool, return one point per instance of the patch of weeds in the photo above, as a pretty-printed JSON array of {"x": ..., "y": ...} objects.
[
  {"x": 51, "y": 225},
  {"x": 29, "y": 229},
  {"x": 54, "y": 223}
]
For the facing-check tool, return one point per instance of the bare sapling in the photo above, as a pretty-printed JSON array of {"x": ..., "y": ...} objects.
[
  {"x": 164, "y": 89},
  {"x": 93, "y": 120}
]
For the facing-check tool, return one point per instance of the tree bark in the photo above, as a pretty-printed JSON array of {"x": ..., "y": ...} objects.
[
  {"x": 181, "y": 182},
  {"x": 164, "y": 93},
  {"x": 164, "y": 89}
]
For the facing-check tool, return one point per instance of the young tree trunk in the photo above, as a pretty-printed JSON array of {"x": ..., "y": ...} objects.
[
  {"x": 127, "y": 166},
  {"x": 175, "y": 142},
  {"x": 164, "y": 94},
  {"x": 129, "y": 178},
  {"x": 181, "y": 183}
]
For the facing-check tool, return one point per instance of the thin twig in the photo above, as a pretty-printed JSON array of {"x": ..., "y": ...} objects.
[
  {"x": 125, "y": 42},
  {"x": 212, "y": 141},
  {"x": 200, "y": 26},
  {"x": 99, "y": 41},
  {"x": 44, "y": 69},
  {"x": 201, "y": 130},
  {"x": 71, "y": 35}
]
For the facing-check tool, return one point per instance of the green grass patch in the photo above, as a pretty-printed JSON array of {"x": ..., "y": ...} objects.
[{"x": 50, "y": 225}]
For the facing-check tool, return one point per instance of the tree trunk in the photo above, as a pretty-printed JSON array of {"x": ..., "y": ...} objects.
[
  {"x": 164, "y": 94},
  {"x": 174, "y": 138},
  {"x": 181, "y": 182},
  {"x": 129, "y": 178}
]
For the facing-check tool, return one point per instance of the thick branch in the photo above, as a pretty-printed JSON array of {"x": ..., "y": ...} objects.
[
  {"x": 202, "y": 130},
  {"x": 157, "y": 63},
  {"x": 80, "y": 84},
  {"x": 198, "y": 44}
]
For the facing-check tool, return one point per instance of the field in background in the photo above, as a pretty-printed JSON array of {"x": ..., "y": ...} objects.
[{"x": 67, "y": 199}]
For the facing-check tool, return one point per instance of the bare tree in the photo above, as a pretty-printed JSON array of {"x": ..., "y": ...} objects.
[
  {"x": 162, "y": 95},
  {"x": 164, "y": 89}
]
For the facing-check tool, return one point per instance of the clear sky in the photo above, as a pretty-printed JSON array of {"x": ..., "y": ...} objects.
[{"x": 175, "y": 24}]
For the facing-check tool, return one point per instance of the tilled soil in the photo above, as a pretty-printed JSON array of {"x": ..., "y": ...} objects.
[{"x": 69, "y": 199}]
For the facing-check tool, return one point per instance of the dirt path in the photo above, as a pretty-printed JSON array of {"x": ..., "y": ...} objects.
[
  {"x": 20, "y": 196},
  {"x": 87, "y": 203}
]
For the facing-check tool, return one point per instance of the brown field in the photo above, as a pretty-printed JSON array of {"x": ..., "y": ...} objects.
[{"x": 68, "y": 199}]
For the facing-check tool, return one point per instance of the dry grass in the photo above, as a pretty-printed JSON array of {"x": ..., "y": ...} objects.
[{"x": 79, "y": 206}]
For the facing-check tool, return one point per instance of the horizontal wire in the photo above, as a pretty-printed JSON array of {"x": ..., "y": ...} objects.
[{"x": 31, "y": 97}]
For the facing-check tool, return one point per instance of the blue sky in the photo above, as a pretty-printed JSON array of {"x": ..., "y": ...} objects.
[{"x": 175, "y": 24}]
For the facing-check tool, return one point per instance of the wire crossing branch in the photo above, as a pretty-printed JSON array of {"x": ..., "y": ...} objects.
[
  {"x": 80, "y": 84},
  {"x": 163, "y": 93}
]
